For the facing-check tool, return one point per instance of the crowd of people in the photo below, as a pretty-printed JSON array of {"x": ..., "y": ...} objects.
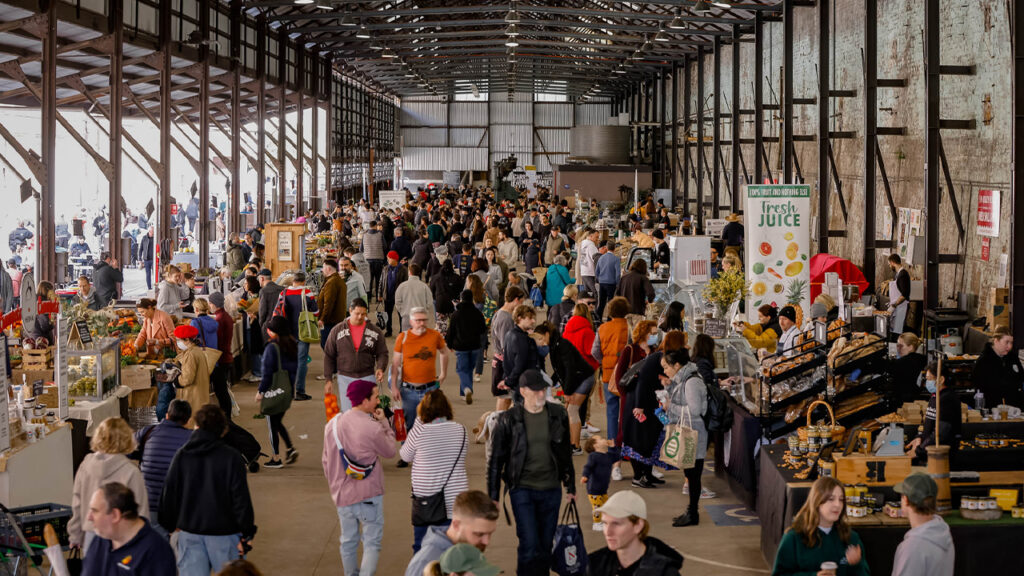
[{"x": 521, "y": 286}]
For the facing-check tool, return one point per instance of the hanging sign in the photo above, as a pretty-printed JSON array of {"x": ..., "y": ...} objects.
[
  {"x": 986, "y": 248},
  {"x": 778, "y": 239},
  {"x": 988, "y": 212}
]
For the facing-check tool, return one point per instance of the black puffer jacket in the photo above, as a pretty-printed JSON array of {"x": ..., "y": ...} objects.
[
  {"x": 998, "y": 378},
  {"x": 659, "y": 559},
  {"x": 520, "y": 355},
  {"x": 465, "y": 327},
  {"x": 508, "y": 449},
  {"x": 571, "y": 369},
  {"x": 445, "y": 287}
]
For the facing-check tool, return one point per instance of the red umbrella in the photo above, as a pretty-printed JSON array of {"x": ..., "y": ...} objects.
[{"x": 848, "y": 273}]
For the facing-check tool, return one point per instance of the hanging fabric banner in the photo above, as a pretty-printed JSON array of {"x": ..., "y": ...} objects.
[{"x": 778, "y": 241}]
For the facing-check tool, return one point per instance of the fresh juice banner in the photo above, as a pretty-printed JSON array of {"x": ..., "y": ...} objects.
[{"x": 777, "y": 229}]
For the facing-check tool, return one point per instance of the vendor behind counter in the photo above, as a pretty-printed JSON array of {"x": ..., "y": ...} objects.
[
  {"x": 905, "y": 370},
  {"x": 998, "y": 373},
  {"x": 949, "y": 418}
]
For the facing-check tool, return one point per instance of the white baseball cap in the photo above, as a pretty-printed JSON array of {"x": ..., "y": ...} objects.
[{"x": 624, "y": 504}]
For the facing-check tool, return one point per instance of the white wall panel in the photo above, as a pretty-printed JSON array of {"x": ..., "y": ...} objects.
[
  {"x": 469, "y": 137},
  {"x": 511, "y": 112},
  {"x": 546, "y": 163},
  {"x": 469, "y": 114},
  {"x": 423, "y": 137},
  {"x": 512, "y": 138},
  {"x": 424, "y": 114},
  {"x": 553, "y": 114},
  {"x": 416, "y": 158},
  {"x": 593, "y": 114},
  {"x": 553, "y": 140}
]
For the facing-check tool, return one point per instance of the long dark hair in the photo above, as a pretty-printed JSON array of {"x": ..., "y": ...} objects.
[
  {"x": 704, "y": 347},
  {"x": 285, "y": 340},
  {"x": 673, "y": 317}
]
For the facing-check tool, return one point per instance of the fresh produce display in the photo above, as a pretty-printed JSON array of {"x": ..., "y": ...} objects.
[
  {"x": 125, "y": 323},
  {"x": 85, "y": 386}
]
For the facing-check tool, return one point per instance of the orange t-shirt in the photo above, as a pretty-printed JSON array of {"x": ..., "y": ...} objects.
[{"x": 419, "y": 356}]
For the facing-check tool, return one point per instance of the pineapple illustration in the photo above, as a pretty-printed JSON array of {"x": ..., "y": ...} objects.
[{"x": 794, "y": 296}]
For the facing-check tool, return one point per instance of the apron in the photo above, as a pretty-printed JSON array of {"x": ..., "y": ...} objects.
[{"x": 898, "y": 313}]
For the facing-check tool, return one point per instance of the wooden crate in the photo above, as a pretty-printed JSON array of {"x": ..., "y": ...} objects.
[
  {"x": 37, "y": 359},
  {"x": 861, "y": 469}
]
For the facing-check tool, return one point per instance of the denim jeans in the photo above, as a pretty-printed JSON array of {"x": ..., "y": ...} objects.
[
  {"x": 148, "y": 265},
  {"x": 256, "y": 364},
  {"x": 612, "y": 412},
  {"x": 198, "y": 555},
  {"x": 163, "y": 399},
  {"x": 411, "y": 400},
  {"x": 418, "y": 532},
  {"x": 536, "y": 513},
  {"x": 605, "y": 293},
  {"x": 465, "y": 362},
  {"x": 323, "y": 341},
  {"x": 363, "y": 520},
  {"x": 303, "y": 367}
]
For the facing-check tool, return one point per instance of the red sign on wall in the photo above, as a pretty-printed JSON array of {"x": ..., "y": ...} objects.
[
  {"x": 988, "y": 212},
  {"x": 986, "y": 247},
  {"x": 174, "y": 210}
]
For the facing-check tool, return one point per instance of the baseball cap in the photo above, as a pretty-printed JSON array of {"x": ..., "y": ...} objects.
[
  {"x": 917, "y": 487},
  {"x": 533, "y": 379},
  {"x": 788, "y": 312},
  {"x": 266, "y": 272},
  {"x": 466, "y": 558},
  {"x": 217, "y": 299},
  {"x": 624, "y": 504},
  {"x": 393, "y": 255}
]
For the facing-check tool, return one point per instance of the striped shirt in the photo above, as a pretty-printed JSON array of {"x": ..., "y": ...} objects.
[{"x": 432, "y": 449}]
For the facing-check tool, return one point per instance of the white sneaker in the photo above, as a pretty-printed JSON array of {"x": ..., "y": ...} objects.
[
  {"x": 657, "y": 473},
  {"x": 617, "y": 474},
  {"x": 706, "y": 494},
  {"x": 591, "y": 428},
  {"x": 476, "y": 378},
  {"x": 598, "y": 527}
]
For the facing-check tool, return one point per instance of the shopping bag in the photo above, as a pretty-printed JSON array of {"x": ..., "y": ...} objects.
[
  {"x": 568, "y": 554},
  {"x": 309, "y": 330},
  {"x": 537, "y": 296},
  {"x": 680, "y": 446},
  {"x": 278, "y": 398},
  {"x": 398, "y": 422}
]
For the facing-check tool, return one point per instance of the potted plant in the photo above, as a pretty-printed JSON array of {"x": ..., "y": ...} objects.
[{"x": 727, "y": 288}]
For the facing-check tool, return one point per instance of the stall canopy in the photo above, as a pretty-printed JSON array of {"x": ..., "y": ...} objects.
[{"x": 848, "y": 272}]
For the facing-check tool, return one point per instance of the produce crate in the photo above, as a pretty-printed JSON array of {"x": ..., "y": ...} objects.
[
  {"x": 32, "y": 519},
  {"x": 37, "y": 359}
]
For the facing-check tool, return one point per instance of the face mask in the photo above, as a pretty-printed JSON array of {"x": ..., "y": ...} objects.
[
  {"x": 653, "y": 339},
  {"x": 929, "y": 385},
  {"x": 182, "y": 345},
  {"x": 543, "y": 350}
]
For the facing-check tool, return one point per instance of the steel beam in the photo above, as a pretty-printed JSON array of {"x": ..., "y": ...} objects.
[
  {"x": 716, "y": 130},
  {"x": 233, "y": 217},
  {"x": 870, "y": 65},
  {"x": 686, "y": 136},
  {"x": 114, "y": 200},
  {"x": 931, "y": 148},
  {"x": 736, "y": 149},
  {"x": 328, "y": 78},
  {"x": 281, "y": 210},
  {"x": 46, "y": 232},
  {"x": 1016, "y": 178},
  {"x": 788, "y": 151},
  {"x": 203, "y": 237},
  {"x": 758, "y": 97},
  {"x": 314, "y": 183},
  {"x": 824, "y": 183},
  {"x": 675, "y": 134},
  {"x": 700, "y": 141},
  {"x": 300, "y": 145},
  {"x": 163, "y": 203},
  {"x": 261, "y": 122}
]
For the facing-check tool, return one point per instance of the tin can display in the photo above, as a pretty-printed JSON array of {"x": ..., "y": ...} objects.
[
  {"x": 968, "y": 503},
  {"x": 991, "y": 504},
  {"x": 857, "y": 511},
  {"x": 1017, "y": 511}
]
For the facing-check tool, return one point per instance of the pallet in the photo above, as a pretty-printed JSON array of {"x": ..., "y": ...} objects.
[{"x": 37, "y": 359}]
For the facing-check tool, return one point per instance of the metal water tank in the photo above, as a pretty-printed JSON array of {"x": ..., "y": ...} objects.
[{"x": 602, "y": 144}]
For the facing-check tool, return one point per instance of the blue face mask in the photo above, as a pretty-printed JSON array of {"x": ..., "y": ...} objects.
[
  {"x": 653, "y": 339},
  {"x": 542, "y": 350},
  {"x": 929, "y": 385}
]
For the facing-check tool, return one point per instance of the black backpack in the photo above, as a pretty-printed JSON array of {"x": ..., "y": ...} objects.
[{"x": 718, "y": 417}]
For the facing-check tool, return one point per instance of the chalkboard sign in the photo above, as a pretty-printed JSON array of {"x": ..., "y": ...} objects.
[
  {"x": 38, "y": 388},
  {"x": 80, "y": 332},
  {"x": 716, "y": 327}
]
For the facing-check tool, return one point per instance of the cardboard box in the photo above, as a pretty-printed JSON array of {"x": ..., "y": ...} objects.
[
  {"x": 137, "y": 377},
  {"x": 30, "y": 376},
  {"x": 998, "y": 308}
]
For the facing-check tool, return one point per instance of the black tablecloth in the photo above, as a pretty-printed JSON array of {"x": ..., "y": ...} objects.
[
  {"x": 980, "y": 548},
  {"x": 742, "y": 469}
]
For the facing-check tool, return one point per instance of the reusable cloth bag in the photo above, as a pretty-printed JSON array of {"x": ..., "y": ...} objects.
[
  {"x": 568, "y": 554},
  {"x": 278, "y": 398},
  {"x": 680, "y": 446}
]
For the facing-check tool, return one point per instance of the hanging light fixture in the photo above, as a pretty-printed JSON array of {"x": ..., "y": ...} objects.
[
  {"x": 513, "y": 15},
  {"x": 511, "y": 42},
  {"x": 677, "y": 22},
  {"x": 346, "y": 21},
  {"x": 701, "y": 6},
  {"x": 303, "y": 2},
  {"x": 512, "y": 30},
  {"x": 721, "y": 4},
  {"x": 363, "y": 32},
  {"x": 661, "y": 36},
  {"x": 387, "y": 53}
]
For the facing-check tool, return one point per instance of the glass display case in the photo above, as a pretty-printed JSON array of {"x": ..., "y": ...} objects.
[{"x": 92, "y": 374}]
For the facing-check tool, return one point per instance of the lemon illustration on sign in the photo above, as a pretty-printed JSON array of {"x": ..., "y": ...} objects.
[
  {"x": 759, "y": 288},
  {"x": 788, "y": 236},
  {"x": 792, "y": 250},
  {"x": 794, "y": 268}
]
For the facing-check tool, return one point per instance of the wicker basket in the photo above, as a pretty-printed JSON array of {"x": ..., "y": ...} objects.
[{"x": 838, "y": 432}]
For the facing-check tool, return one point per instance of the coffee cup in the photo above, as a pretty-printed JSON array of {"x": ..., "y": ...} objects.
[{"x": 829, "y": 568}]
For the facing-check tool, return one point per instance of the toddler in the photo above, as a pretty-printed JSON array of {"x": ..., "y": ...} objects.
[{"x": 597, "y": 473}]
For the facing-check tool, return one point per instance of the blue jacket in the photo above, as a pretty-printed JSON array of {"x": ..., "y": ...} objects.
[
  {"x": 147, "y": 553},
  {"x": 557, "y": 279},
  {"x": 609, "y": 268},
  {"x": 157, "y": 446},
  {"x": 207, "y": 326},
  {"x": 290, "y": 363}
]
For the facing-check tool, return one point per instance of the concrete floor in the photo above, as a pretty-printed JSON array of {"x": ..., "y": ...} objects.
[{"x": 298, "y": 524}]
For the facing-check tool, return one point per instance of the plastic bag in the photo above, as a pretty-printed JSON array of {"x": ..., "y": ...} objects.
[{"x": 398, "y": 423}]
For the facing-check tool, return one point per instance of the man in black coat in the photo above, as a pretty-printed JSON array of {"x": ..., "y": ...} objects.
[
  {"x": 106, "y": 275},
  {"x": 206, "y": 497},
  {"x": 531, "y": 454}
]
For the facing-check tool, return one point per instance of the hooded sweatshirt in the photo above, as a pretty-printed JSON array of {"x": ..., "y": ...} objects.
[
  {"x": 435, "y": 542},
  {"x": 579, "y": 331},
  {"x": 926, "y": 551},
  {"x": 659, "y": 559},
  {"x": 96, "y": 470}
]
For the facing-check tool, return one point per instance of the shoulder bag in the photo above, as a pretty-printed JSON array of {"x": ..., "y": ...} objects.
[
  {"x": 278, "y": 398},
  {"x": 432, "y": 510},
  {"x": 309, "y": 331}
]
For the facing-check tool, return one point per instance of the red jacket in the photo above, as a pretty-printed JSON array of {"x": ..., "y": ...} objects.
[
  {"x": 581, "y": 334},
  {"x": 225, "y": 332}
]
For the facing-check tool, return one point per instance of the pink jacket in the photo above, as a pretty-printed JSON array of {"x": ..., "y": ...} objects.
[{"x": 366, "y": 441}]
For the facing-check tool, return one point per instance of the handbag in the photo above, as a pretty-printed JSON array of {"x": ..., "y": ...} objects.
[
  {"x": 432, "y": 510},
  {"x": 278, "y": 398},
  {"x": 568, "y": 553},
  {"x": 680, "y": 446},
  {"x": 309, "y": 331}
]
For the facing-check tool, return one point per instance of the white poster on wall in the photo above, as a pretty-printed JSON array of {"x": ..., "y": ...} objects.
[
  {"x": 392, "y": 199},
  {"x": 691, "y": 259},
  {"x": 778, "y": 240}
]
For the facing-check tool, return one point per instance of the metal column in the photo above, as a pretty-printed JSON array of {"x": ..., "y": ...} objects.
[
  {"x": 204, "y": 136},
  {"x": 823, "y": 116},
  {"x": 699, "y": 175},
  {"x": 661, "y": 132},
  {"x": 317, "y": 89},
  {"x": 1016, "y": 182},
  {"x": 300, "y": 145},
  {"x": 931, "y": 145},
  {"x": 758, "y": 96},
  {"x": 281, "y": 209},
  {"x": 163, "y": 203},
  {"x": 329, "y": 132},
  {"x": 870, "y": 134},
  {"x": 735, "y": 137},
  {"x": 675, "y": 133},
  {"x": 261, "y": 119},
  {"x": 114, "y": 202},
  {"x": 716, "y": 131},
  {"x": 686, "y": 135},
  {"x": 47, "y": 233},
  {"x": 787, "y": 92},
  {"x": 233, "y": 217}
]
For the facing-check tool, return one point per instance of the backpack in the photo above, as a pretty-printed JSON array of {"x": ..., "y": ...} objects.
[{"x": 718, "y": 417}]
